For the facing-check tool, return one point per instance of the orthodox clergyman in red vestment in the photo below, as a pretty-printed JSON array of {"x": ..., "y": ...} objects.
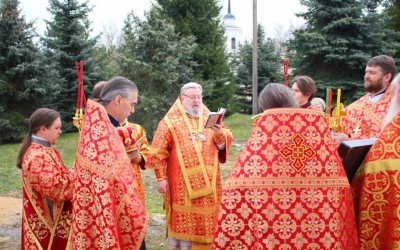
[
  {"x": 376, "y": 185},
  {"x": 46, "y": 185},
  {"x": 135, "y": 132},
  {"x": 288, "y": 189},
  {"x": 108, "y": 211},
  {"x": 365, "y": 116},
  {"x": 186, "y": 156}
]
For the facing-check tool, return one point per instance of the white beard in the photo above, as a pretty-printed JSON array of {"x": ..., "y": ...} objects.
[
  {"x": 394, "y": 109},
  {"x": 194, "y": 112}
]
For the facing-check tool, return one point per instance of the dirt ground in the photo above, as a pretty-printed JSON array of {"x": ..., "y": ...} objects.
[
  {"x": 10, "y": 223},
  {"x": 10, "y": 226}
]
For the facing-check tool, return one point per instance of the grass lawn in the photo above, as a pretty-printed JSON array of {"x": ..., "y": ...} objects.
[
  {"x": 240, "y": 125},
  {"x": 10, "y": 175}
]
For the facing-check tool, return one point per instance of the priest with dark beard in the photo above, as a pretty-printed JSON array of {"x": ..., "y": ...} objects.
[{"x": 376, "y": 184}]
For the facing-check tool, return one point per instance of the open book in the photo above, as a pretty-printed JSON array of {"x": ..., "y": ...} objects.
[
  {"x": 353, "y": 153},
  {"x": 215, "y": 118}
]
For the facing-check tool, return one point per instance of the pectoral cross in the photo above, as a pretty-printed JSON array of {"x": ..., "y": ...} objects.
[
  {"x": 194, "y": 138},
  {"x": 202, "y": 137},
  {"x": 357, "y": 129}
]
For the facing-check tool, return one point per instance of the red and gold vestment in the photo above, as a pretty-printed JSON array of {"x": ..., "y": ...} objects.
[
  {"x": 376, "y": 187},
  {"x": 107, "y": 212},
  {"x": 138, "y": 133},
  {"x": 255, "y": 119},
  {"x": 186, "y": 154},
  {"x": 45, "y": 181},
  {"x": 288, "y": 188},
  {"x": 367, "y": 115}
]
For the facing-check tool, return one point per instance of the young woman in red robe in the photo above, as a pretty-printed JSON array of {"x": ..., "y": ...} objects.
[{"x": 46, "y": 185}]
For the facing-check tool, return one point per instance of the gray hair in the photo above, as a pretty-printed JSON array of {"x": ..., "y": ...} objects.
[
  {"x": 98, "y": 87},
  {"x": 190, "y": 85},
  {"x": 276, "y": 95},
  {"x": 118, "y": 86},
  {"x": 396, "y": 80},
  {"x": 394, "y": 107},
  {"x": 318, "y": 100}
]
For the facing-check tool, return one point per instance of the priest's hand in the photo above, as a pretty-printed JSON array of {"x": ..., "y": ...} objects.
[
  {"x": 137, "y": 159},
  {"x": 134, "y": 156},
  {"x": 217, "y": 129},
  {"x": 162, "y": 186},
  {"x": 339, "y": 138}
]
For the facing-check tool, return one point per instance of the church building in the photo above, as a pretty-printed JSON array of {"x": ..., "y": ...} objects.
[{"x": 233, "y": 33}]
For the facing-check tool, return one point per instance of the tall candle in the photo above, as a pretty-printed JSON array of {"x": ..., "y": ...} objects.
[
  {"x": 78, "y": 98},
  {"x": 339, "y": 91},
  {"x": 329, "y": 101},
  {"x": 80, "y": 95}
]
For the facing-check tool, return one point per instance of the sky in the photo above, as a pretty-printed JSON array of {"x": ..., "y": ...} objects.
[{"x": 279, "y": 14}]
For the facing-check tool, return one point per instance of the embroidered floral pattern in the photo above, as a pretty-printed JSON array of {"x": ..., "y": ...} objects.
[
  {"x": 45, "y": 177},
  {"x": 288, "y": 189},
  {"x": 108, "y": 212},
  {"x": 191, "y": 166}
]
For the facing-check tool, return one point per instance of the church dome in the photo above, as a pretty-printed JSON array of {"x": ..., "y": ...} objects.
[{"x": 229, "y": 16}]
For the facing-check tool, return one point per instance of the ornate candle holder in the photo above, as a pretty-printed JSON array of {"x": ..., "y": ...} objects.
[
  {"x": 77, "y": 120},
  {"x": 81, "y": 100},
  {"x": 335, "y": 121}
]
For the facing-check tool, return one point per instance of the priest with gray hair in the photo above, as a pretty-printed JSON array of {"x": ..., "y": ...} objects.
[{"x": 186, "y": 158}]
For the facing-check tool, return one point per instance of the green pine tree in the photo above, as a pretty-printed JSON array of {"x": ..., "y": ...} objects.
[
  {"x": 392, "y": 22},
  {"x": 158, "y": 61},
  {"x": 105, "y": 59},
  {"x": 23, "y": 84},
  {"x": 339, "y": 38},
  {"x": 67, "y": 41},
  {"x": 107, "y": 51},
  {"x": 201, "y": 19},
  {"x": 269, "y": 63}
]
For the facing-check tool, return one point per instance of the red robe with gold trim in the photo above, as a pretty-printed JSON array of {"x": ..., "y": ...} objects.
[
  {"x": 191, "y": 166},
  {"x": 44, "y": 176},
  {"x": 144, "y": 145},
  {"x": 107, "y": 212},
  {"x": 376, "y": 187},
  {"x": 368, "y": 115},
  {"x": 288, "y": 189}
]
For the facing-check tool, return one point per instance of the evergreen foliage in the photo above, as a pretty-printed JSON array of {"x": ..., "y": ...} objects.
[
  {"x": 158, "y": 61},
  {"x": 65, "y": 42},
  {"x": 107, "y": 51},
  {"x": 269, "y": 64},
  {"x": 340, "y": 37},
  {"x": 23, "y": 84},
  {"x": 392, "y": 22},
  {"x": 105, "y": 60},
  {"x": 201, "y": 19}
]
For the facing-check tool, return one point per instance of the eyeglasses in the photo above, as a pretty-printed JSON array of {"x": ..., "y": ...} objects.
[{"x": 194, "y": 97}]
